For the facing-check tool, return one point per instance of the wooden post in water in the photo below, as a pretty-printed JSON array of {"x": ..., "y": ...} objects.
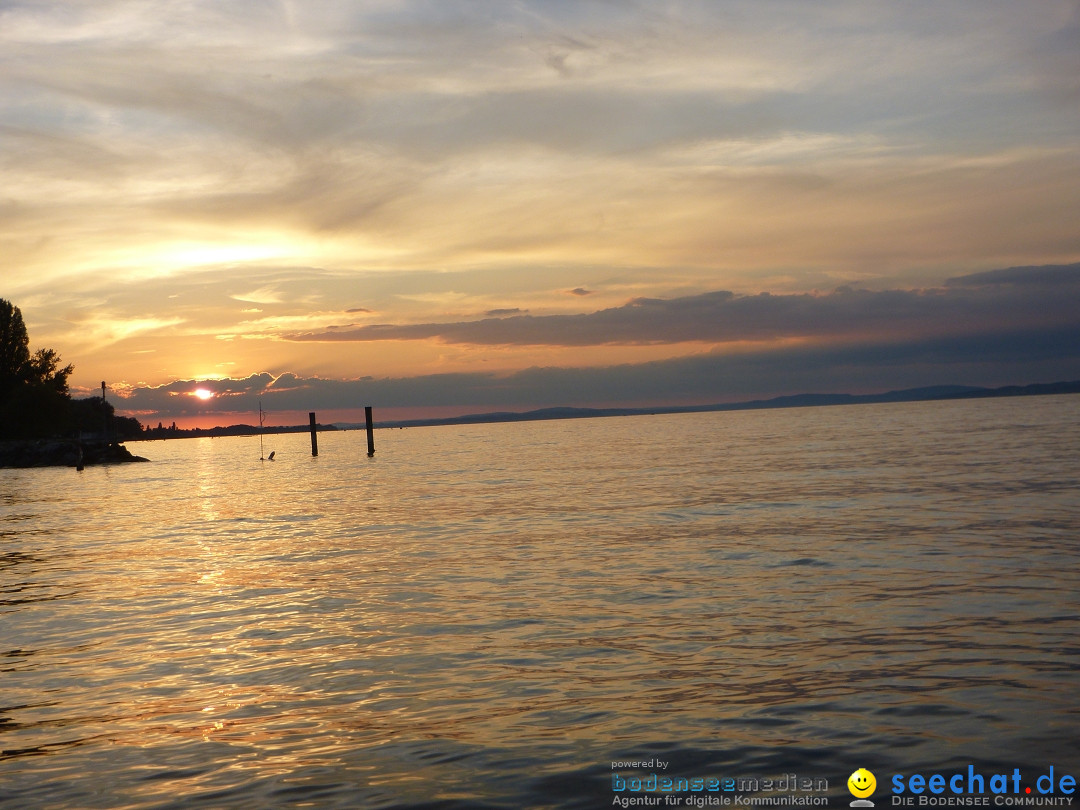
[
  {"x": 370, "y": 431},
  {"x": 314, "y": 436}
]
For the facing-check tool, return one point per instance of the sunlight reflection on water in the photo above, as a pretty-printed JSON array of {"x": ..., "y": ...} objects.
[{"x": 490, "y": 614}]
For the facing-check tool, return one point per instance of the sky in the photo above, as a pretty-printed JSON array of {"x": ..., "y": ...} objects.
[{"x": 446, "y": 207}]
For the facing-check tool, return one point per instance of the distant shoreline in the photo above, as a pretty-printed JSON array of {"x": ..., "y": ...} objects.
[
  {"x": 165, "y": 434},
  {"x": 931, "y": 393}
]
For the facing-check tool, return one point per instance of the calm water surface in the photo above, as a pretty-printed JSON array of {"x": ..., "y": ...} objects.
[{"x": 489, "y": 616}]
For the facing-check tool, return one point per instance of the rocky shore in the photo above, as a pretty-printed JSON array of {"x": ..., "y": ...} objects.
[{"x": 62, "y": 453}]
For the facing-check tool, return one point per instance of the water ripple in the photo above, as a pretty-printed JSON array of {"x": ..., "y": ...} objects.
[{"x": 477, "y": 618}]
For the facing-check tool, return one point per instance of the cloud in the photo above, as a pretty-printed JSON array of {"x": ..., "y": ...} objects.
[
  {"x": 164, "y": 162},
  {"x": 1054, "y": 276},
  {"x": 998, "y": 327},
  {"x": 1032, "y": 355},
  {"x": 980, "y": 303},
  {"x": 499, "y": 313},
  {"x": 438, "y": 135}
]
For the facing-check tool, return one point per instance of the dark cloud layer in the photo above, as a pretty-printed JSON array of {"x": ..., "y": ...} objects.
[
  {"x": 991, "y": 302},
  {"x": 1012, "y": 357},
  {"x": 1017, "y": 325}
]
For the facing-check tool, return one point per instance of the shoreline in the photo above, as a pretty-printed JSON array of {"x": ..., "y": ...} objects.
[{"x": 30, "y": 453}]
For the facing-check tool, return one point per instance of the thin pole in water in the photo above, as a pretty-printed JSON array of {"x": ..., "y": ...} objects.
[
  {"x": 314, "y": 438},
  {"x": 370, "y": 431},
  {"x": 261, "y": 432}
]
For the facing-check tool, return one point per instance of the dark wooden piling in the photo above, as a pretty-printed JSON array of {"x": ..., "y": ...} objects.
[
  {"x": 370, "y": 431},
  {"x": 314, "y": 435}
]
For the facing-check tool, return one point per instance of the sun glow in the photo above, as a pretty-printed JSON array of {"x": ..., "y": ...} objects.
[{"x": 202, "y": 393}]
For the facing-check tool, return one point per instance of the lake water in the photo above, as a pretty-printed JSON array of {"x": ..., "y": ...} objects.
[{"x": 491, "y": 616}]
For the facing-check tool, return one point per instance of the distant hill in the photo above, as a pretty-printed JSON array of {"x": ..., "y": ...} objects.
[{"x": 934, "y": 392}]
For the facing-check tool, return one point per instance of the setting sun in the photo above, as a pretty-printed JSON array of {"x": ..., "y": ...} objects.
[{"x": 202, "y": 393}]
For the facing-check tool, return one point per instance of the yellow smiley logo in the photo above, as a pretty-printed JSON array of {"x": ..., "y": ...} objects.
[{"x": 861, "y": 783}]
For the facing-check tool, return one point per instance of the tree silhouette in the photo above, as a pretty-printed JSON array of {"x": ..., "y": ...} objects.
[
  {"x": 14, "y": 344},
  {"x": 44, "y": 369},
  {"x": 34, "y": 398}
]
